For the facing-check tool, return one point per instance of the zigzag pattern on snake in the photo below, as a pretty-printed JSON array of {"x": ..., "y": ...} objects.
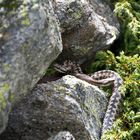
[{"x": 100, "y": 78}]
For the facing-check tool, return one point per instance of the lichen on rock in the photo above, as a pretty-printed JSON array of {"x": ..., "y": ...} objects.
[
  {"x": 68, "y": 104},
  {"x": 30, "y": 40}
]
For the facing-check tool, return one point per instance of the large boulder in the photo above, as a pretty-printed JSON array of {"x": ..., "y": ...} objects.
[
  {"x": 29, "y": 41},
  {"x": 68, "y": 104},
  {"x": 87, "y": 26}
]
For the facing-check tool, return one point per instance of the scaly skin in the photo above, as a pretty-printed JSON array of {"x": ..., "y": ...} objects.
[
  {"x": 114, "y": 99},
  {"x": 100, "y": 78}
]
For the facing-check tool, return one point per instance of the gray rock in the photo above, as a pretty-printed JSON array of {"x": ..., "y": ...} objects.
[
  {"x": 29, "y": 41},
  {"x": 68, "y": 104},
  {"x": 63, "y": 135},
  {"x": 87, "y": 27}
]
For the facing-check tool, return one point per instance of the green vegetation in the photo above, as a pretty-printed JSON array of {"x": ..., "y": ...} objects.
[
  {"x": 128, "y": 12},
  {"x": 127, "y": 126},
  {"x": 9, "y": 5},
  {"x": 4, "y": 88},
  {"x": 127, "y": 64},
  {"x": 50, "y": 71}
]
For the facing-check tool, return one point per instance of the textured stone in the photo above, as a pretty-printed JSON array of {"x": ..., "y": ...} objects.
[
  {"x": 68, "y": 104},
  {"x": 29, "y": 41},
  {"x": 64, "y": 135},
  {"x": 87, "y": 27}
]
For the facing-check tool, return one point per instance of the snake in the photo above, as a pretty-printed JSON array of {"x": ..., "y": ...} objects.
[{"x": 99, "y": 78}]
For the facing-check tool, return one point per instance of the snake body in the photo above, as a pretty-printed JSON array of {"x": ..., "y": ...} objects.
[
  {"x": 113, "y": 78},
  {"x": 100, "y": 78}
]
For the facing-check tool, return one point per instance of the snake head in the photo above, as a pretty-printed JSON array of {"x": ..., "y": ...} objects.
[
  {"x": 68, "y": 67},
  {"x": 60, "y": 68}
]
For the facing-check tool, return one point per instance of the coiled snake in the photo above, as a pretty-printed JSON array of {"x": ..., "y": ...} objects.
[{"x": 100, "y": 78}]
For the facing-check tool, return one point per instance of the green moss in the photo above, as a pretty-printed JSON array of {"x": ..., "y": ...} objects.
[
  {"x": 9, "y": 5},
  {"x": 24, "y": 14},
  {"x": 6, "y": 67},
  {"x": 80, "y": 50},
  {"x": 26, "y": 21},
  {"x": 129, "y": 16},
  {"x": 5, "y": 88},
  {"x": 76, "y": 14},
  {"x": 50, "y": 71},
  {"x": 75, "y": 10}
]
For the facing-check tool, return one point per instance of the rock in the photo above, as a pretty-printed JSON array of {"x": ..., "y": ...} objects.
[
  {"x": 64, "y": 135},
  {"x": 87, "y": 27},
  {"x": 29, "y": 41},
  {"x": 68, "y": 104}
]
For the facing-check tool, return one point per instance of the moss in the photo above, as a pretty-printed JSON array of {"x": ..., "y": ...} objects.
[
  {"x": 128, "y": 14},
  {"x": 25, "y": 21},
  {"x": 9, "y": 5},
  {"x": 6, "y": 67},
  {"x": 24, "y": 14},
  {"x": 5, "y": 88},
  {"x": 81, "y": 50},
  {"x": 75, "y": 10},
  {"x": 76, "y": 14},
  {"x": 50, "y": 71}
]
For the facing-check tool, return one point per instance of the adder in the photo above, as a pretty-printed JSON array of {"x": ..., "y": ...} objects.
[{"x": 100, "y": 78}]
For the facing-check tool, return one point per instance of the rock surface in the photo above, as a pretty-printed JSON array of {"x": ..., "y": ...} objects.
[
  {"x": 87, "y": 27},
  {"x": 29, "y": 41},
  {"x": 68, "y": 104},
  {"x": 64, "y": 135}
]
